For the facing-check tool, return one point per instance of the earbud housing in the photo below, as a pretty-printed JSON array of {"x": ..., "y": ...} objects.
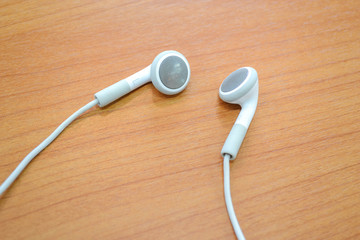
[{"x": 170, "y": 72}]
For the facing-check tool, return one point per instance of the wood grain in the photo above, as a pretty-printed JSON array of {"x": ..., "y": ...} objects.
[{"x": 149, "y": 165}]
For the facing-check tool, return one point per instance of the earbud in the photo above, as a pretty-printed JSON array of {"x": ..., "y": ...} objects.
[
  {"x": 169, "y": 72},
  {"x": 240, "y": 87}
]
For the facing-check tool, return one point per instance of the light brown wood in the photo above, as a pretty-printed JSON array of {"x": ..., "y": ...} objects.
[{"x": 149, "y": 165}]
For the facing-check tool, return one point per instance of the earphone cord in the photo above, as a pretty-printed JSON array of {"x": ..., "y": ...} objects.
[
  {"x": 6, "y": 184},
  {"x": 228, "y": 200}
]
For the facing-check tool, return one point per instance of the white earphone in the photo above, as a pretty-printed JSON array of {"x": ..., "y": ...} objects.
[
  {"x": 240, "y": 87},
  {"x": 169, "y": 72}
]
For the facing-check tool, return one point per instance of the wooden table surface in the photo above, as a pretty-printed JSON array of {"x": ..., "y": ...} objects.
[{"x": 149, "y": 165}]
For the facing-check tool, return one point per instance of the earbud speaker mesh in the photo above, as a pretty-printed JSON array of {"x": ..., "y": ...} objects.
[
  {"x": 173, "y": 72},
  {"x": 234, "y": 80}
]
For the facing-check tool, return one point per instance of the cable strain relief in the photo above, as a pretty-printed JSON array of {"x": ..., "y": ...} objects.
[
  {"x": 234, "y": 141},
  {"x": 112, "y": 93}
]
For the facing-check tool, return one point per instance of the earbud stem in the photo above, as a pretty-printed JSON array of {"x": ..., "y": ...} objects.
[
  {"x": 238, "y": 131},
  {"x": 247, "y": 113},
  {"x": 123, "y": 87},
  {"x": 140, "y": 78}
]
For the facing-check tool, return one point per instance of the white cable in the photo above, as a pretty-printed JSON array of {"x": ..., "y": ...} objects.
[
  {"x": 6, "y": 184},
  {"x": 228, "y": 200}
]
